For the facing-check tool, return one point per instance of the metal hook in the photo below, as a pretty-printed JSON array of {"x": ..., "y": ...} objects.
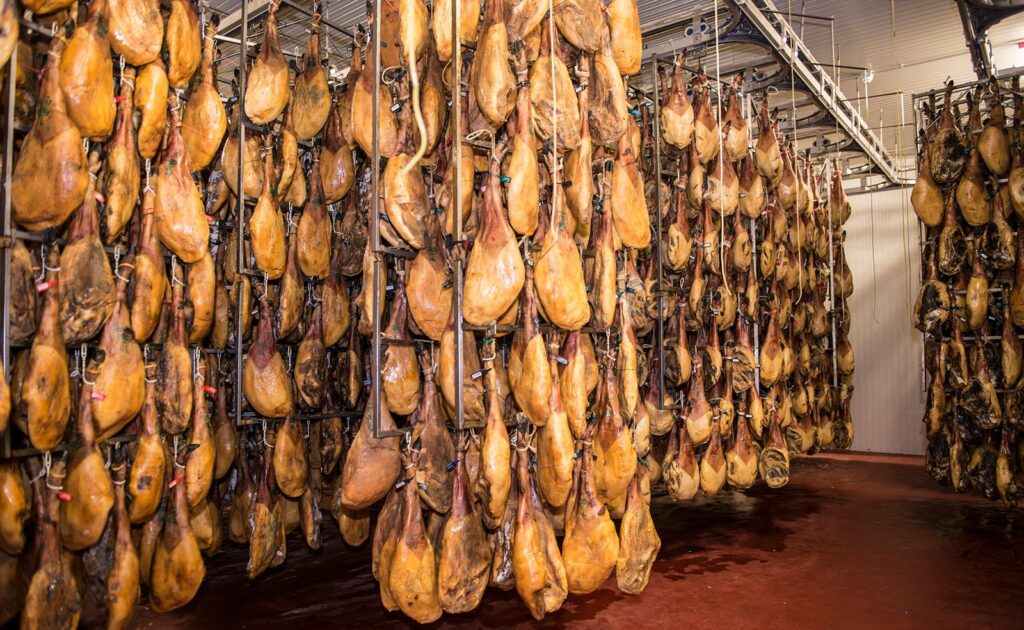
[
  {"x": 146, "y": 366},
  {"x": 389, "y": 76},
  {"x": 45, "y": 470},
  {"x": 198, "y": 366},
  {"x": 42, "y": 265},
  {"x": 264, "y": 438}
]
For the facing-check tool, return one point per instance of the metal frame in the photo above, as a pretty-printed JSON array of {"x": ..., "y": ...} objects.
[
  {"x": 918, "y": 99},
  {"x": 791, "y": 50},
  {"x": 9, "y": 234},
  {"x": 744, "y": 12},
  {"x": 5, "y": 328},
  {"x": 656, "y": 129}
]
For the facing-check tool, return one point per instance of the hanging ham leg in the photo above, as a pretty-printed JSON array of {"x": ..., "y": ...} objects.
[
  {"x": 86, "y": 78},
  {"x": 50, "y": 177},
  {"x": 495, "y": 273},
  {"x": 45, "y": 397},
  {"x": 464, "y": 558},
  {"x": 412, "y": 575},
  {"x": 266, "y": 87},
  {"x": 53, "y": 599},
  {"x": 121, "y": 173},
  {"x": 87, "y": 290},
  {"x": 205, "y": 120},
  {"x": 84, "y": 516},
  {"x": 537, "y": 564},
  {"x": 180, "y": 215},
  {"x": 590, "y": 548},
  {"x": 123, "y": 581}
]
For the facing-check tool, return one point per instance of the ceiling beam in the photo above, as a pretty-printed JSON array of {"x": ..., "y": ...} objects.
[
  {"x": 234, "y": 19},
  {"x": 792, "y": 51}
]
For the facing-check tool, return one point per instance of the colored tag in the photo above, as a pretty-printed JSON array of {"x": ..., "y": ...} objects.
[
  {"x": 49, "y": 284},
  {"x": 98, "y": 396},
  {"x": 210, "y": 390},
  {"x": 64, "y": 496}
]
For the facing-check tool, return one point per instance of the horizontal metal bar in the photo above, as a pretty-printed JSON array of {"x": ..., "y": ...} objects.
[
  {"x": 396, "y": 251},
  {"x": 801, "y": 15},
  {"x": 836, "y": 65},
  {"x": 37, "y": 28},
  {"x": 305, "y": 11},
  {"x": 498, "y": 328},
  {"x": 70, "y": 446},
  {"x": 406, "y": 342},
  {"x": 250, "y": 418}
]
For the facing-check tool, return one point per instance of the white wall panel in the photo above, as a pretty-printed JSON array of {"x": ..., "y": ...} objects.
[{"x": 888, "y": 402}]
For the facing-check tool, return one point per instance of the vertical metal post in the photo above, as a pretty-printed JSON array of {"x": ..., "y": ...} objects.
[
  {"x": 832, "y": 294},
  {"x": 922, "y": 235},
  {"x": 5, "y": 329},
  {"x": 240, "y": 212},
  {"x": 657, "y": 238},
  {"x": 753, "y": 257},
  {"x": 375, "y": 227},
  {"x": 756, "y": 326},
  {"x": 460, "y": 419}
]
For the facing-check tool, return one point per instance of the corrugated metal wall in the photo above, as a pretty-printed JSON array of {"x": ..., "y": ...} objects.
[{"x": 888, "y": 402}]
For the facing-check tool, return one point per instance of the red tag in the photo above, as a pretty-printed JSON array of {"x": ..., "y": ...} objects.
[
  {"x": 119, "y": 98},
  {"x": 176, "y": 481},
  {"x": 98, "y": 396},
  {"x": 48, "y": 284},
  {"x": 64, "y": 496},
  {"x": 210, "y": 390},
  {"x": 100, "y": 198},
  {"x": 210, "y": 219}
]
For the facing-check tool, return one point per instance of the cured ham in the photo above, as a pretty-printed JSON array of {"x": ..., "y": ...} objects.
[
  {"x": 492, "y": 78},
  {"x": 495, "y": 272},
  {"x": 266, "y": 87},
  {"x": 179, "y": 212},
  {"x": 204, "y": 120},
  {"x": 181, "y": 38},
  {"x": 522, "y": 168},
  {"x": 87, "y": 290},
  {"x": 310, "y": 97},
  {"x": 121, "y": 171},
  {"x": 50, "y": 175},
  {"x": 551, "y": 95}
]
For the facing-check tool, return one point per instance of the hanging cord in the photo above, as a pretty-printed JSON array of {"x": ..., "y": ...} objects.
[
  {"x": 874, "y": 277},
  {"x": 417, "y": 113},
  {"x": 792, "y": 106},
  {"x": 721, "y": 156},
  {"x": 904, "y": 214},
  {"x": 554, "y": 121}
]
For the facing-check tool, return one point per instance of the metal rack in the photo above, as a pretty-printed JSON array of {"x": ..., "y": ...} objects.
[
  {"x": 654, "y": 95},
  {"x": 959, "y": 92},
  {"x": 248, "y": 11},
  {"x": 9, "y": 234},
  {"x": 8, "y": 166}
]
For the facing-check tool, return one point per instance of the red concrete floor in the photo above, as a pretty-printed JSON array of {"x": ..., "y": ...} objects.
[{"x": 852, "y": 542}]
